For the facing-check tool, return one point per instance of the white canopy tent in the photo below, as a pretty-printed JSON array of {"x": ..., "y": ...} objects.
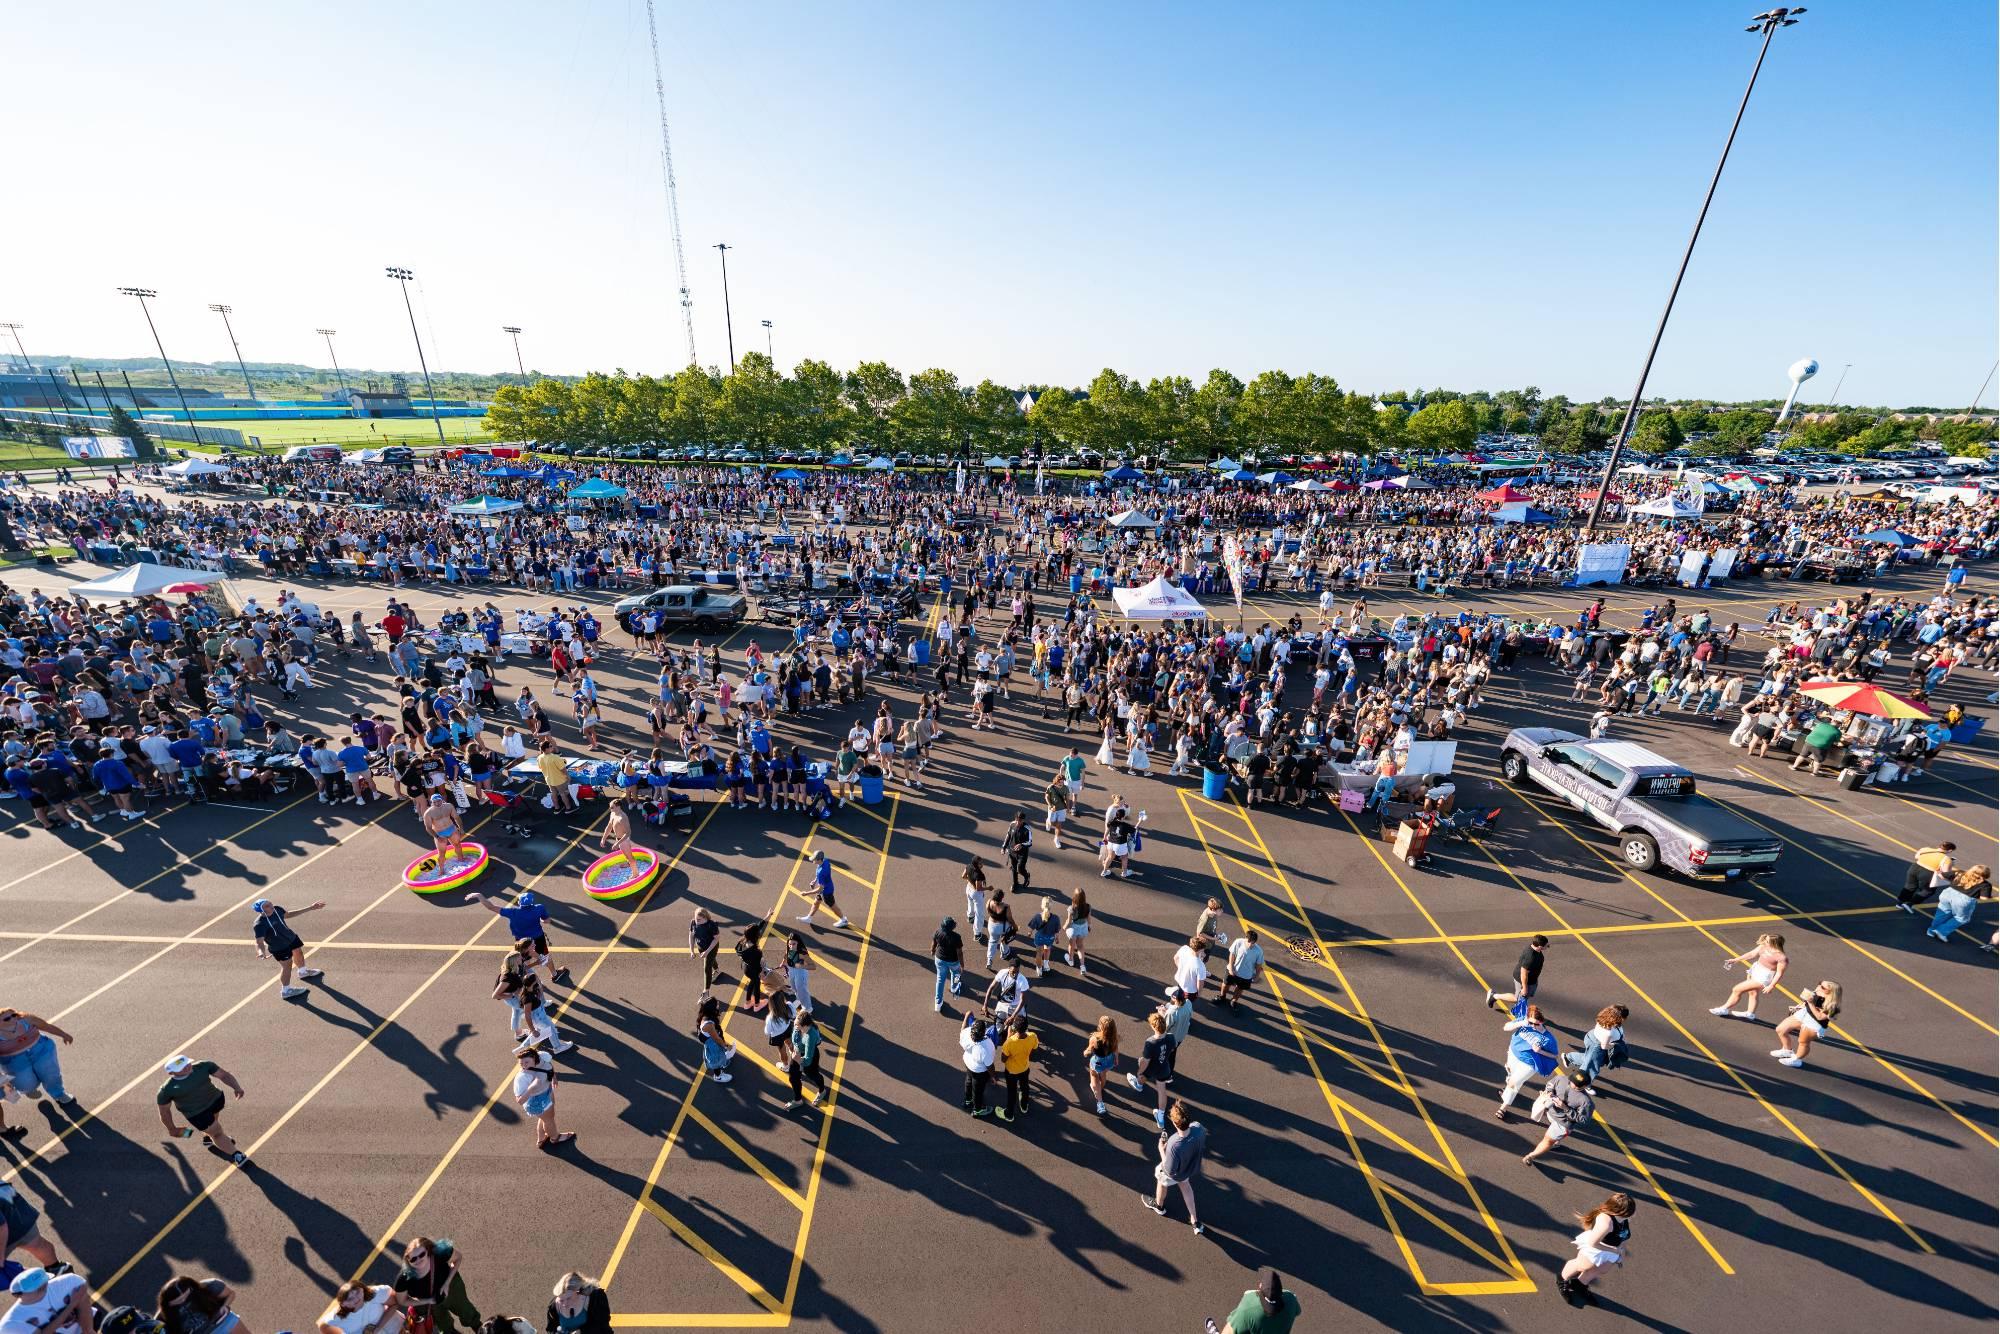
[
  {"x": 1157, "y": 601},
  {"x": 1133, "y": 519},
  {"x": 1669, "y": 507},
  {"x": 196, "y": 467},
  {"x": 141, "y": 581},
  {"x": 1308, "y": 484}
]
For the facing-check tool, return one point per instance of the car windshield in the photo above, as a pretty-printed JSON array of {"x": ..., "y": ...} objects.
[{"x": 1664, "y": 787}]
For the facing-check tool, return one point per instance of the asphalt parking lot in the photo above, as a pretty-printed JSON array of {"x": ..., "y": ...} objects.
[{"x": 1349, "y": 1102}]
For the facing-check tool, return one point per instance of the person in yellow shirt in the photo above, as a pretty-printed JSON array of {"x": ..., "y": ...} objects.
[
  {"x": 1019, "y": 1045},
  {"x": 556, "y": 774}
]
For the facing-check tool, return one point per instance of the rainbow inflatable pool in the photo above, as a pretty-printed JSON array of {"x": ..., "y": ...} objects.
[
  {"x": 614, "y": 875},
  {"x": 426, "y": 875}
]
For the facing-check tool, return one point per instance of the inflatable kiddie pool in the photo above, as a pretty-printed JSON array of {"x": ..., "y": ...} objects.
[
  {"x": 614, "y": 875},
  {"x": 426, "y": 875}
]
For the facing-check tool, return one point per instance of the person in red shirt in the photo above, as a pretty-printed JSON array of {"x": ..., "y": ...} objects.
[{"x": 393, "y": 626}]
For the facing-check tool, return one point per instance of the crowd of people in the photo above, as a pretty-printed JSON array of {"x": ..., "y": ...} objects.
[{"x": 136, "y": 705}]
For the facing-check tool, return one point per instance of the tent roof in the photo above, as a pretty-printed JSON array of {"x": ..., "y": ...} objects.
[
  {"x": 1504, "y": 494},
  {"x": 1133, "y": 519},
  {"x": 596, "y": 489},
  {"x": 143, "y": 580},
  {"x": 486, "y": 505},
  {"x": 1157, "y": 601},
  {"x": 196, "y": 467}
]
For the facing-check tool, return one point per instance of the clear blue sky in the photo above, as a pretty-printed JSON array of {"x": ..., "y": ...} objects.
[{"x": 1473, "y": 195}]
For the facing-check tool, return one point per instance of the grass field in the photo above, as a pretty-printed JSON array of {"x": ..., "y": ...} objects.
[{"x": 285, "y": 432}]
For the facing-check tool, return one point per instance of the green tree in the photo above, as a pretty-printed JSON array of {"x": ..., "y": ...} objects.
[
  {"x": 1742, "y": 430},
  {"x": 932, "y": 414},
  {"x": 1694, "y": 419},
  {"x": 751, "y": 407},
  {"x": 1875, "y": 439},
  {"x": 873, "y": 390},
  {"x": 998, "y": 426},
  {"x": 1213, "y": 425},
  {"x": 1447, "y": 427},
  {"x": 123, "y": 423},
  {"x": 1169, "y": 407},
  {"x": 819, "y": 400},
  {"x": 1388, "y": 430},
  {"x": 1269, "y": 412},
  {"x": 1053, "y": 416},
  {"x": 1968, "y": 439},
  {"x": 1657, "y": 433}
]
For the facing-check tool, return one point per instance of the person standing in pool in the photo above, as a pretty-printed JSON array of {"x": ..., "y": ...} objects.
[
  {"x": 616, "y": 839},
  {"x": 441, "y": 823}
]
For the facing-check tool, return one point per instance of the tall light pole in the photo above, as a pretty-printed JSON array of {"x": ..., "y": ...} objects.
[
  {"x": 727, "y": 322},
  {"x": 15, "y": 329},
  {"x": 402, "y": 277},
  {"x": 1767, "y": 23},
  {"x": 515, "y": 330},
  {"x": 328, "y": 334},
  {"x": 1837, "y": 383},
  {"x": 224, "y": 311},
  {"x": 767, "y": 343},
  {"x": 145, "y": 294}
]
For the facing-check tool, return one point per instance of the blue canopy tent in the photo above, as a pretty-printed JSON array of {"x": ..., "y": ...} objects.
[
  {"x": 788, "y": 475},
  {"x": 1240, "y": 475},
  {"x": 1276, "y": 478},
  {"x": 1521, "y": 512},
  {"x": 597, "y": 489},
  {"x": 508, "y": 470},
  {"x": 1124, "y": 472},
  {"x": 1893, "y": 536},
  {"x": 486, "y": 507},
  {"x": 552, "y": 474},
  {"x": 1226, "y": 465}
]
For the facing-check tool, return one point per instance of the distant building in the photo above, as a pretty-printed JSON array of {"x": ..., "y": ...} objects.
[{"x": 367, "y": 404}]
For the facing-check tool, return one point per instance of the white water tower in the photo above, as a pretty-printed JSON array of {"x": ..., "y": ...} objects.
[{"x": 1801, "y": 370}]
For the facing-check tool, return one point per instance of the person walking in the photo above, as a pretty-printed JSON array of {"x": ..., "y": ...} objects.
[
  {"x": 1603, "y": 1046},
  {"x": 1766, "y": 964},
  {"x": 28, "y": 1055},
  {"x": 1245, "y": 966},
  {"x": 750, "y": 955},
  {"x": 1016, "y": 1050},
  {"x": 1607, "y": 1230},
  {"x": 579, "y": 1306},
  {"x": 1531, "y": 1054},
  {"x": 527, "y": 919},
  {"x": 1527, "y": 976},
  {"x": 975, "y": 897},
  {"x": 704, "y": 939},
  {"x": 717, "y": 1051},
  {"x": 1268, "y": 1308},
  {"x": 948, "y": 958},
  {"x": 190, "y": 1089},
  {"x": 1042, "y": 929},
  {"x": 1156, "y": 1064},
  {"x": 1958, "y": 901},
  {"x": 1563, "y": 1104},
  {"x": 1055, "y": 800},
  {"x": 535, "y": 1092},
  {"x": 1806, "y": 1024},
  {"x": 1000, "y": 927},
  {"x": 1182, "y": 1147},
  {"x": 1100, "y": 1057},
  {"x": 1191, "y": 966},
  {"x": 276, "y": 940},
  {"x": 1015, "y": 843},
  {"x": 976, "y": 1052},
  {"x": 799, "y": 968},
  {"x": 822, "y": 893},
  {"x": 1007, "y": 994},
  {"x": 432, "y": 1287},
  {"x": 804, "y": 1063},
  {"x": 1930, "y": 870},
  {"x": 1076, "y": 926}
]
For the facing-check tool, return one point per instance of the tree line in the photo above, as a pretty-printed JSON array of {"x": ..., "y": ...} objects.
[{"x": 875, "y": 408}]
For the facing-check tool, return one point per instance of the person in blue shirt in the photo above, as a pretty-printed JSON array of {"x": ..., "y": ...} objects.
[
  {"x": 1531, "y": 1052},
  {"x": 822, "y": 891},
  {"x": 187, "y": 751},
  {"x": 526, "y": 919},
  {"x": 114, "y": 777},
  {"x": 354, "y": 760}
]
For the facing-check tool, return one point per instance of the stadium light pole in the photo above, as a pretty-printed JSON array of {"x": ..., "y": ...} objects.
[
  {"x": 1837, "y": 383},
  {"x": 728, "y": 323},
  {"x": 768, "y": 350},
  {"x": 1768, "y": 24},
  {"x": 339, "y": 374},
  {"x": 145, "y": 294},
  {"x": 15, "y": 329},
  {"x": 224, "y": 311},
  {"x": 402, "y": 277},
  {"x": 515, "y": 331}
]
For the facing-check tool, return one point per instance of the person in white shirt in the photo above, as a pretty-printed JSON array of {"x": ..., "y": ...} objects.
[
  {"x": 1190, "y": 972},
  {"x": 976, "y": 1051},
  {"x": 48, "y": 1305}
]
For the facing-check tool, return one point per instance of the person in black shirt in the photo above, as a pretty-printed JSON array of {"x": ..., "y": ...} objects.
[
  {"x": 1527, "y": 976},
  {"x": 277, "y": 940},
  {"x": 948, "y": 957},
  {"x": 750, "y": 953},
  {"x": 432, "y": 1287},
  {"x": 704, "y": 938},
  {"x": 1016, "y": 843}
]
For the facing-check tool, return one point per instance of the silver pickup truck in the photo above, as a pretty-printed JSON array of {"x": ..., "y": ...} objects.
[{"x": 1646, "y": 799}]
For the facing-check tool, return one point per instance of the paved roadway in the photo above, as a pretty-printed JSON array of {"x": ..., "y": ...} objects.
[{"x": 1349, "y": 1104}]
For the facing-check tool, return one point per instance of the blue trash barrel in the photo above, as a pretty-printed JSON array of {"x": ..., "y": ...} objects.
[
  {"x": 1075, "y": 584},
  {"x": 1214, "y": 784},
  {"x": 871, "y": 787},
  {"x": 922, "y": 653}
]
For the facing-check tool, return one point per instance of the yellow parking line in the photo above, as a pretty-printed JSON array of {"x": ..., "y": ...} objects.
[
  {"x": 1242, "y": 865},
  {"x": 846, "y": 837},
  {"x": 1274, "y": 906},
  {"x": 1779, "y": 782},
  {"x": 748, "y": 1159},
  {"x": 823, "y": 966},
  {"x": 860, "y": 809},
  {"x": 1409, "y": 894},
  {"x": 716, "y": 1258},
  {"x": 410, "y": 946},
  {"x": 1620, "y": 928}
]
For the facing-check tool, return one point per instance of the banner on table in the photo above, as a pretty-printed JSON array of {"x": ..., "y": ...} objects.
[
  {"x": 1602, "y": 563},
  {"x": 1691, "y": 563},
  {"x": 1722, "y": 563}
]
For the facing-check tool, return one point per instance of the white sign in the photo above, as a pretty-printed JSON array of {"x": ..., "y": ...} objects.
[
  {"x": 1602, "y": 563},
  {"x": 1691, "y": 562},
  {"x": 99, "y": 447},
  {"x": 1722, "y": 563}
]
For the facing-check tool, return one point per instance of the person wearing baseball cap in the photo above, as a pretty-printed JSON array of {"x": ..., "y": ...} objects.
[
  {"x": 48, "y": 1303},
  {"x": 1266, "y": 1309},
  {"x": 276, "y": 940},
  {"x": 822, "y": 891},
  {"x": 191, "y": 1087}
]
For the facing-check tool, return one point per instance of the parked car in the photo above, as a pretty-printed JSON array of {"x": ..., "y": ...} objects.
[
  {"x": 705, "y": 609},
  {"x": 1646, "y": 799}
]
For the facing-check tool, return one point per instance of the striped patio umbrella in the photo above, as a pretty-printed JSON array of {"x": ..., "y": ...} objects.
[{"x": 1860, "y": 697}]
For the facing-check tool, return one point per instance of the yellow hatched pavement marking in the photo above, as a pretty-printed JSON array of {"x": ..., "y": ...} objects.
[
  {"x": 1519, "y": 1281},
  {"x": 1846, "y": 1034},
  {"x": 1701, "y": 1046},
  {"x": 777, "y": 1310},
  {"x": 1242, "y": 865},
  {"x": 748, "y": 1159}
]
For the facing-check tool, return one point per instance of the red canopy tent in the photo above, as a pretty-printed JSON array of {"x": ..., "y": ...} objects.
[
  {"x": 1341, "y": 486},
  {"x": 1504, "y": 493}
]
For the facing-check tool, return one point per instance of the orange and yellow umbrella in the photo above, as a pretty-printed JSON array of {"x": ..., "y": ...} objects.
[{"x": 1861, "y": 697}]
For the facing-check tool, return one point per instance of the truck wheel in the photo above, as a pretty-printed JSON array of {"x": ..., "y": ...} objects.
[
  {"x": 1640, "y": 852},
  {"x": 705, "y": 624},
  {"x": 1512, "y": 767}
]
